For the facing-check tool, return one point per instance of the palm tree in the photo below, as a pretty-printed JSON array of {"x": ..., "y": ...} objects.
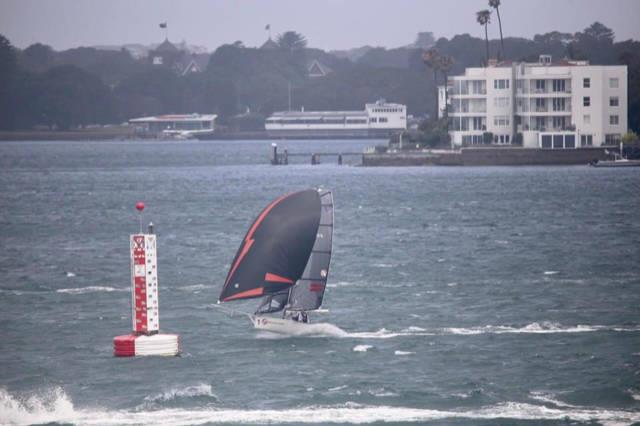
[
  {"x": 496, "y": 5},
  {"x": 484, "y": 17},
  {"x": 431, "y": 59},
  {"x": 445, "y": 63}
]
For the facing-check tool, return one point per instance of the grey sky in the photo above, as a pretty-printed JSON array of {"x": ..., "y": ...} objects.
[{"x": 327, "y": 24}]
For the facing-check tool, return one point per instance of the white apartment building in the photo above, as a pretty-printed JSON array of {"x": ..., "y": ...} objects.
[{"x": 570, "y": 104}]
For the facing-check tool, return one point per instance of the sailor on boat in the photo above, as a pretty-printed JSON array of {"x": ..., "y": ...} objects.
[{"x": 284, "y": 260}]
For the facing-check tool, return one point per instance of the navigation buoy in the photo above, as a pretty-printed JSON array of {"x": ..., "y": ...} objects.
[{"x": 145, "y": 338}]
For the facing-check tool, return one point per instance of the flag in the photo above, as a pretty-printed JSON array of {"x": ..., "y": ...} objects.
[
  {"x": 163, "y": 25},
  {"x": 268, "y": 27}
]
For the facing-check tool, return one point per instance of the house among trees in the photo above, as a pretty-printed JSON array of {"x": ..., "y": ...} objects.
[
  {"x": 269, "y": 45},
  {"x": 317, "y": 69},
  {"x": 193, "y": 63},
  {"x": 165, "y": 54}
]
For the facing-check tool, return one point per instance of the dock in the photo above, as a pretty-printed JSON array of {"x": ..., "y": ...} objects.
[{"x": 282, "y": 159}]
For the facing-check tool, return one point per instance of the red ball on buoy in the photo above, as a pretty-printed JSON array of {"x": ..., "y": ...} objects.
[{"x": 140, "y": 206}]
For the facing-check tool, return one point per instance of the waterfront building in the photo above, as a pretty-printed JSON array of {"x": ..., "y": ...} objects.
[
  {"x": 379, "y": 119},
  {"x": 566, "y": 104},
  {"x": 175, "y": 125}
]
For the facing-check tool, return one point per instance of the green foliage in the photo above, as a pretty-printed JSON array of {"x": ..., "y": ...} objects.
[
  {"x": 630, "y": 137},
  {"x": 487, "y": 138},
  {"x": 291, "y": 41},
  {"x": 433, "y": 134}
]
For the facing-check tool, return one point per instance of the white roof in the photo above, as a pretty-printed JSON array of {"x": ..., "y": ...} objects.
[{"x": 172, "y": 118}]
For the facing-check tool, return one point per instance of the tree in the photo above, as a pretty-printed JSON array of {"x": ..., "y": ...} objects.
[
  {"x": 291, "y": 41},
  {"x": 72, "y": 97},
  {"x": 483, "y": 18},
  {"x": 7, "y": 74},
  {"x": 431, "y": 58},
  {"x": 38, "y": 57},
  {"x": 424, "y": 40},
  {"x": 445, "y": 63},
  {"x": 496, "y": 5}
]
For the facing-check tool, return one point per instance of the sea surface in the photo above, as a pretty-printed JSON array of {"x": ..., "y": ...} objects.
[{"x": 475, "y": 295}]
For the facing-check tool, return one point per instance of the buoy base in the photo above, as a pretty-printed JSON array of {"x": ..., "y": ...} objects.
[{"x": 143, "y": 345}]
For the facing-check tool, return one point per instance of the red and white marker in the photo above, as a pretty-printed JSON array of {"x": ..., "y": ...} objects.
[{"x": 145, "y": 313}]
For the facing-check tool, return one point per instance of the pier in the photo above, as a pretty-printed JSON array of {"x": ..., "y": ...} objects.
[{"x": 282, "y": 159}]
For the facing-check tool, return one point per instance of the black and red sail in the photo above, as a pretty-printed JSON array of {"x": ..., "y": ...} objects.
[{"x": 275, "y": 251}]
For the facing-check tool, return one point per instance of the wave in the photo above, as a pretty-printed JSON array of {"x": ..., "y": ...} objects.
[
  {"x": 200, "y": 390},
  {"x": 56, "y": 406},
  {"x": 403, "y": 353},
  {"x": 194, "y": 287},
  {"x": 90, "y": 289},
  {"x": 545, "y": 327},
  {"x": 362, "y": 348}
]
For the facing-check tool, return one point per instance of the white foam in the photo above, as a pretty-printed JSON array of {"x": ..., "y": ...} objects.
[
  {"x": 90, "y": 289},
  {"x": 544, "y": 327},
  {"x": 57, "y": 407},
  {"x": 194, "y": 287},
  {"x": 384, "y": 265},
  {"x": 548, "y": 398},
  {"x": 361, "y": 348},
  {"x": 337, "y": 388},
  {"x": 200, "y": 390},
  {"x": 635, "y": 394},
  {"x": 70, "y": 275},
  {"x": 551, "y": 272},
  {"x": 403, "y": 353}
]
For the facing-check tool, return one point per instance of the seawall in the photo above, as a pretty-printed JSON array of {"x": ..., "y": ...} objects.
[{"x": 507, "y": 156}]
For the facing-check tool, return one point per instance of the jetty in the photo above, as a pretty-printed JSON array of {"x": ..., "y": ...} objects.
[{"x": 282, "y": 159}]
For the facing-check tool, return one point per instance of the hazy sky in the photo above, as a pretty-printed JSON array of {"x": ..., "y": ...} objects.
[{"x": 327, "y": 24}]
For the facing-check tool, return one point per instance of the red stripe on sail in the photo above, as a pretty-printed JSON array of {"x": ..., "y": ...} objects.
[
  {"x": 248, "y": 241},
  {"x": 254, "y": 292},
  {"x": 277, "y": 278}
]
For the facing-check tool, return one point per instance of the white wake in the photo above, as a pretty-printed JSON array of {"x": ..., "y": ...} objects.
[{"x": 56, "y": 406}]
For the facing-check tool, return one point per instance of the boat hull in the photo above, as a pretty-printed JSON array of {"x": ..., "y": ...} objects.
[
  {"x": 287, "y": 326},
  {"x": 618, "y": 163}
]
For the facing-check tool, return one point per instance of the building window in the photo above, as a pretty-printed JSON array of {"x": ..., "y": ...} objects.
[
  {"x": 546, "y": 141},
  {"x": 569, "y": 141},
  {"x": 382, "y": 120},
  {"x": 500, "y": 84},
  {"x": 501, "y": 120},
  {"x": 612, "y": 139},
  {"x": 557, "y": 141},
  {"x": 586, "y": 101},
  {"x": 541, "y": 105},
  {"x": 540, "y": 85},
  {"x": 558, "y": 122},
  {"x": 506, "y": 138},
  {"x": 613, "y": 83},
  {"x": 586, "y": 83},
  {"x": 586, "y": 140},
  {"x": 373, "y": 120},
  {"x": 586, "y": 119},
  {"x": 614, "y": 120},
  {"x": 558, "y": 85},
  {"x": 501, "y": 102},
  {"x": 613, "y": 101},
  {"x": 558, "y": 104}
]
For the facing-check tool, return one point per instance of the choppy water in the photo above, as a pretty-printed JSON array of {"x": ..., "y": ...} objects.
[{"x": 457, "y": 295}]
